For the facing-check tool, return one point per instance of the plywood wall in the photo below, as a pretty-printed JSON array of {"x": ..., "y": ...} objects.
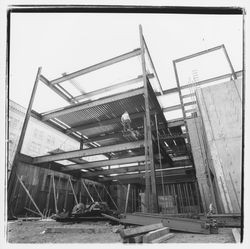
[
  {"x": 221, "y": 111},
  {"x": 38, "y": 181}
]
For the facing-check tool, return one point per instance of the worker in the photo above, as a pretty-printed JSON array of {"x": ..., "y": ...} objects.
[{"x": 126, "y": 121}]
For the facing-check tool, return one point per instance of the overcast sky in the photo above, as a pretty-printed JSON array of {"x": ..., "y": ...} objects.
[{"x": 64, "y": 42}]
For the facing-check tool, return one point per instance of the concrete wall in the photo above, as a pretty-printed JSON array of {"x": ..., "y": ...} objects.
[{"x": 221, "y": 111}]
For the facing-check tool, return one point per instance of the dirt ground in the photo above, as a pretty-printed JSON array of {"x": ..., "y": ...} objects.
[{"x": 96, "y": 232}]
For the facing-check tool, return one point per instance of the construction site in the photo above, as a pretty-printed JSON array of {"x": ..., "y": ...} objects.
[{"x": 136, "y": 176}]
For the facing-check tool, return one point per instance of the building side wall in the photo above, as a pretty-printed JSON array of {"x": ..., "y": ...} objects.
[{"x": 39, "y": 138}]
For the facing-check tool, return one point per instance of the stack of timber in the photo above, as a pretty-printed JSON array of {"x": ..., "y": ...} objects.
[
  {"x": 154, "y": 233},
  {"x": 200, "y": 226}
]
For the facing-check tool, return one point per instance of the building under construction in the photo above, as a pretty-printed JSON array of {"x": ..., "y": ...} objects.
[{"x": 158, "y": 168}]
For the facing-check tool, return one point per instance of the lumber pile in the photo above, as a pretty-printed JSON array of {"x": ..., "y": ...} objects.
[{"x": 154, "y": 233}]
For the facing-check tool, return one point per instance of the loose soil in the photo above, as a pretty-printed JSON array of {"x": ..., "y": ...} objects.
[{"x": 101, "y": 232}]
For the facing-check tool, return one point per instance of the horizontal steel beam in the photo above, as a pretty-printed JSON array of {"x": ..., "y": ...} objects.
[
  {"x": 53, "y": 125},
  {"x": 171, "y": 108},
  {"x": 94, "y": 103},
  {"x": 199, "y": 83},
  {"x": 112, "y": 87},
  {"x": 177, "y": 107},
  {"x": 130, "y": 169},
  {"x": 198, "y": 54},
  {"x": 105, "y": 122},
  {"x": 88, "y": 152},
  {"x": 95, "y": 67},
  {"x": 165, "y": 137},
  {"x": 188, "y": 95},
  {"x": 175, "y": 122},
  {"x": 191, "y": 110},
  {"x": 167, "y": 178},
  {"x": 56, "y": 90},
  {"x": 98, "y": 164}
]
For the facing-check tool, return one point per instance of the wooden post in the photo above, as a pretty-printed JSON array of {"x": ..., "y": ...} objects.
[
  {"x": 66, "y": 196},
  {"x": 11, "y": 180},
  {"x": 54, "y": 192},
  {"x": 27, "y": 192},
  {"x": 154, "y": 199},
  {"x": 71, "y": 185},
  {"x": 58, "y": 190},
  {"x": 48, "y": 196},
  {"x": 126, "y": 204}
]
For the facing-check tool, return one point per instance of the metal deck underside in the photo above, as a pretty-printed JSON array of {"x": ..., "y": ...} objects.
[{"x": 99, "y": 122}]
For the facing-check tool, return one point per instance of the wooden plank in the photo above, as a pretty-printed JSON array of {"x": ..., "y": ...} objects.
[
  {"x": 112, "y": 87},
  {"x": 94, "y": 103},
  {"x": 163, "y": 238},
  {"x": 95, "y": 67},
  {"x": 84, "y": 185},
  {"x": 88, "y": 152},
  {"x": 149, "y": 237},
  {"x": 76, "y": 230},
  {"x": 130, "y": 232},
  {"x": 236, "y": 235},
  {"x": 73, "y": 191},
  {"x": 111, "y": 197},
  {"x": 97, "y": 193},
  {"x": 175, "y": 223}
]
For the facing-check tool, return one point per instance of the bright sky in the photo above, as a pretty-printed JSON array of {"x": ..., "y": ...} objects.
[{"x": 64, "y": 42}]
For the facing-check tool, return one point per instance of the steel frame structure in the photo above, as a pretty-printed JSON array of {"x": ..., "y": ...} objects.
[{"x": 50, "y": 161}]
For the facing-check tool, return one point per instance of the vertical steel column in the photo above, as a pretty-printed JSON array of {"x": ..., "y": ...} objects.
[
  {"x": 147, "y": 176},
  {"x": 159, "y": 152},
  {"x": 22, "y": 135},
  {"x": 154, "y": 199},
  {"x": 182, "y": 106},
  {"x": 229, "y": 62}
]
